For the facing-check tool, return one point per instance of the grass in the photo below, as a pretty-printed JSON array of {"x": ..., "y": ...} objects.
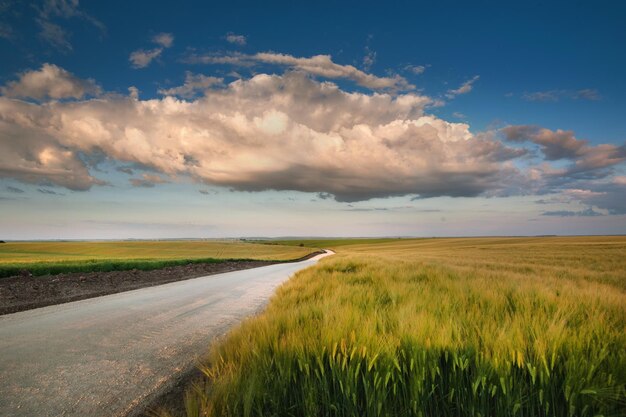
[
  {"x": 434, "y": 327},
  {"x": 41, "y": 258}
]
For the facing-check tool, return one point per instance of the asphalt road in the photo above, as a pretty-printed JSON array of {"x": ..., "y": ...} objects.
[{"x": 104, "y": 356}]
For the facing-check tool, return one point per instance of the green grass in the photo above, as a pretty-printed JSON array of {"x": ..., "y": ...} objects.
[
  {"x": 41, "y": 258},
  {"x": 434, "y": 327}
]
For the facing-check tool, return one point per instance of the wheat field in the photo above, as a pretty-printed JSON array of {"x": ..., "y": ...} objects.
[
  {"x": 434, "y": 327},
  {"x": 82, "y": 256}
]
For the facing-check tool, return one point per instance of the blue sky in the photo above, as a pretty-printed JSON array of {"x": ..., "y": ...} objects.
[{"x": 300, "y": 118}]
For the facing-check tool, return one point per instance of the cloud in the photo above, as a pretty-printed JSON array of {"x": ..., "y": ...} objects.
[
  {"x": 14, "y": 190},
  {"x": 194, "y": 83},
  {"x": 51, "y": 82},
  {"x": 562, "y": 144},
  {"x": 590, "y": 212},
  {"x": 281, "y": 132},
  {"x": 415, "y": 69},
  {"x": 55, "y": 35},
  {"x": 164, "y": 39},
  {"x": 590, "y": 94},
  {"x": 46, "y": 191},
  {"x": 235, "y": 39},
  {"x": 142, "y": 58},
  {"x": 608, "y": 196},
  {"x": 318, "y": 65},
  {"x": 52, "y": 32},
  {"x": 465, "y": 88},
  {"x": 125, "y": 170},
  {"x": 369, "y": 59},
  {"x": 147, "y": 181}
]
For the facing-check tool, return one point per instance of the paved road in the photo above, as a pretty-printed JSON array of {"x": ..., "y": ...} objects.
[{"x": 105, "y": 355}]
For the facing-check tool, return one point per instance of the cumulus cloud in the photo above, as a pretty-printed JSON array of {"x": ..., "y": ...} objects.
[
  {"x": 465, "y": 88},
  {"x": 562, "y": 144},
  {"x": 318, "y": 65},
  {"x": 51, "y": 82},
  {"x": 587, "y": 170},
  {"x": 291, "y": 132},
  {"x": 284, "y": 132},
  {"x": 141, "y": 58},
  {"x": 236, "y": 39},
  {"x": 194, "y": 83}
]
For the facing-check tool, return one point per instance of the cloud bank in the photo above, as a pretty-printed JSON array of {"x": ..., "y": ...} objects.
[{"x": 289, "y": 132}]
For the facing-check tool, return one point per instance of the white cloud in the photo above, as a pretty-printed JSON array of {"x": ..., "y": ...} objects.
[
  {"x": 236, "y": 39},
  {"x": 285, "y": 132},
  {"x": 164, "y": 39},
  {"x": 51, "y": 82},
  {"x": 415, "y": 69},
  {"x": 141, "y": 58},
  {"x": 465, "y": 88},
  {"x": 318, "y": 65}
]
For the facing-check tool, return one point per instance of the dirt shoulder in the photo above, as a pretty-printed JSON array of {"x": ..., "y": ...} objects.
[{"x": 19, "y": 293}]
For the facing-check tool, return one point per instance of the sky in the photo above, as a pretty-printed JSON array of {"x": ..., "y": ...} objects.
[{"x": 198, "y": 119}]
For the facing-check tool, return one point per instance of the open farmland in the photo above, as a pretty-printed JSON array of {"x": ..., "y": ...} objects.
[
  {"x": 41, "y": 258},
  {"x": 434, "y": 327}
]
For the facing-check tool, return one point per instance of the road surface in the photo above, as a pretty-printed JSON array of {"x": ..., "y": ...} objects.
[{"x": 104, "y": 356}]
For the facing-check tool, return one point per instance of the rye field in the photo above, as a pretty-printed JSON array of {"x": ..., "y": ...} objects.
[
  {"x": 433, "y": 327},
  {"x": 41, "y": 258}
]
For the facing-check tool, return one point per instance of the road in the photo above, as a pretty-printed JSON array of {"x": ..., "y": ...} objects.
[{"x": 104, "y": 356}]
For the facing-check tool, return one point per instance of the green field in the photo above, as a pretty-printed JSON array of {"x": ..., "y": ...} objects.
[
  {"x": 41, "y": 258},
  {"x": 434, "y": 327}
]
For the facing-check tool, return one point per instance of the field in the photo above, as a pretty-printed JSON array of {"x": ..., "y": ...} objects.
[
  {"x": 41, "y": 258},
  {"x": 434, "y": 327}
]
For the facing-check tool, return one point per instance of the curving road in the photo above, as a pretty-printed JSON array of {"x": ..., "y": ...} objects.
[{"x": 104, "y": 356}]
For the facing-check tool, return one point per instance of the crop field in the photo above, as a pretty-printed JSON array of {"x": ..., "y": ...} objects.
[
  {"x": 434, "y": 327},
  {"x": 51, "y": 257}
]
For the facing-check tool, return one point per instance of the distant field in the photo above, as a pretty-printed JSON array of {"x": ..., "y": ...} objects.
[
  {"x": 330, "y": 243},
  {"x": 434, "y": 327},
  {"x": 53, "y": 257}
]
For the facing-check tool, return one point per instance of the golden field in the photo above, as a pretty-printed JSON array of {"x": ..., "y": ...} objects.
[{"x": 434, "y": 327}]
